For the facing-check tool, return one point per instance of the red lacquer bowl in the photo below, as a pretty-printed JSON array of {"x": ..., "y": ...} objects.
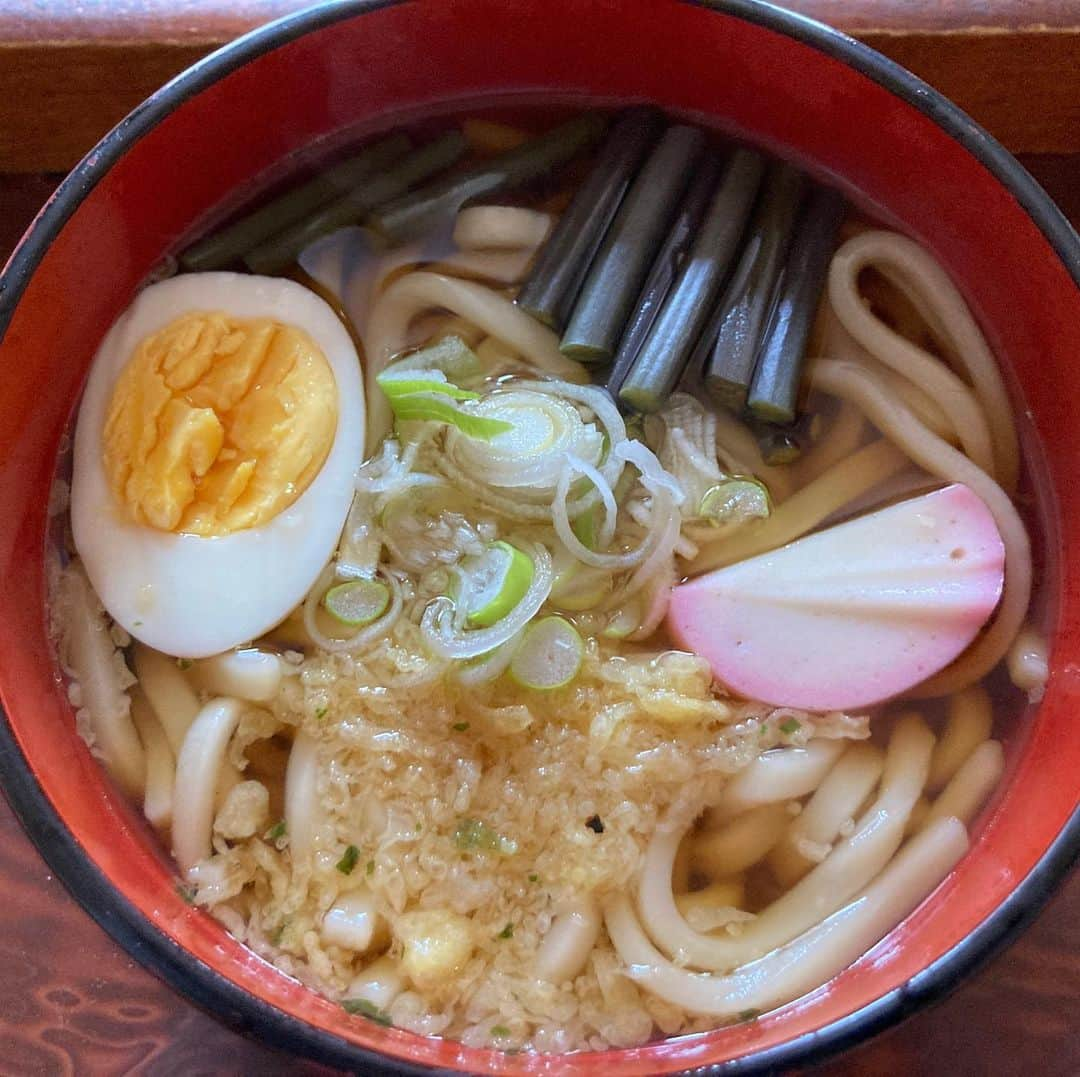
[{"x": 776, "y": 79}]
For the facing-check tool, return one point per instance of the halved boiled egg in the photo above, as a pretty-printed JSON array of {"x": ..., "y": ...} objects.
[{"x": 215, "y": 455}]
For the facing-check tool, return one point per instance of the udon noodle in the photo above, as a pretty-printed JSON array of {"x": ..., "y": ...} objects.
[{"x": 403, "y": 813}]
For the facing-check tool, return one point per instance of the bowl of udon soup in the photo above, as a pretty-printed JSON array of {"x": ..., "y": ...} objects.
[{"x": 531, "y": 551}]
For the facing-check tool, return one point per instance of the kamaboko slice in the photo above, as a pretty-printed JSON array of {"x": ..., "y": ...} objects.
[{"x": 852, "y": 615}]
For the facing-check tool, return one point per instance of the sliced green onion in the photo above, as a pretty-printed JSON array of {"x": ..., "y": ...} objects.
[
  {"x": 366, "y": 1008},
  {"x": 473, "y": 835},
  {"x": 586, "y": 526},
  {"x": 744, "y": 309},
  {"x": 282, "y": 248},
  {"x": 580, "y": 587},
  {"x": 434, "y": 408},
  {"x": 550, "y": 654},
  {"x": 231, "y": 243},
  {"x": 666, "y": 350},
  {"x": 735, "y": 501},
  {"x": 357, "y": 602},
  {"x": 346, "y": 864},
  {"x": 607, "y": 297},
  {"x": 497, "y": 581},
  {"x": 552, "y": 286},
  {"x": 399, "y": 383},
  {"x": 451, "y": 356},
  {"x": 775, "y": 388},
  {"x": 415, "y": 213},
  {"x": 625, "y": 620},
  {"x": 664, "y": 269}
]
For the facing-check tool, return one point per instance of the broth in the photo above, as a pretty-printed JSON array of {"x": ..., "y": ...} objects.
[{"x": 441, "y": 701}]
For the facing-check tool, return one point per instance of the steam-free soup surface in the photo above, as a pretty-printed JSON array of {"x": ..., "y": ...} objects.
[{"x": 559, "y": 615}]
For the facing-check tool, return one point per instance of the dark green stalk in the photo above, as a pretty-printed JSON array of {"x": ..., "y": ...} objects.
[
  {"x": 552, "y": 286},
  {"x": 775, "y": 388},
  {"x": 231, "y": 243},
  {"x": 607, "y": 298},
  {"x": 666, "y": 350},
  {"x": 281, "y": 249},
  {"x": 415, "y": 213},
  {"x": 664, "y": 269},
  {"x": 745, "y": 307}
]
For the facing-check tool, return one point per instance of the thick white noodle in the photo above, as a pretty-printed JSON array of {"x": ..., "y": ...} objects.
[
  {"x": 501, "y": 227},
  {"x": 496, "y": 267},
  {"x": 970, "y": 786},
  {"x": 780, "y": 774},
  {"x": 569, "y": 941},
  {"x": 302, "y": 797},
  {"x": 839, "y": 344},
  {"x": 728, "y": 894},
  {"x": 96, "y": 666},
  {"x": 1029, "y": 662},
  {"x": 835, "y": 802},
  {"x": 849, "y": 867},
  {"x": 907, "y": 359},
  {"x": 412, "y": 294},
  {"x": 968, "y": 724},
  {"x": 160, "y": 763},
  {"x": 740, "y": 843},
  {"x": 810, "y": 960},
  {"x": 842, "y": 438},
  {"x": 915, "y": 272},
  {"x": 169, "y": 693},
  {"x": 899, "y": 425},
  {"x": 198, "y": 769},
  {"x": 248, "y": 673},
  {"x": 844, "y": 483}
]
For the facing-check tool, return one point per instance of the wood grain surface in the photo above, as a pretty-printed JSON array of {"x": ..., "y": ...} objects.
[
  {"x": 73, "y": 1003},
  {"x": 1013, "y": 65}
]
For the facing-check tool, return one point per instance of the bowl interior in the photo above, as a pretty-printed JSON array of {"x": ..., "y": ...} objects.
[{"x": 229, "y": 123}]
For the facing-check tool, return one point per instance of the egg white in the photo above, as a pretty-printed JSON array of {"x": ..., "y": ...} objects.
[{"x": 193, "y": 596}]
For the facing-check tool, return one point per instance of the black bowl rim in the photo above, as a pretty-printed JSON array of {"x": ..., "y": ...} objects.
[{"x": 251, "y": 1016}]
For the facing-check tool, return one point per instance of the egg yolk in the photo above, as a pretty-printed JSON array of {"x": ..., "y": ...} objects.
[{"x": 218, "y": 423}]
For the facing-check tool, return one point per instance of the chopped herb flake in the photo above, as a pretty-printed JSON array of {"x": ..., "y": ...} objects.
[
  {"x": 320, "y": 712},
  {"x": 418, "y": 827},
  {"x": 507, "y": 932},
  {"x": 749, "y": 1015},
  {"x": 595, "y": 824},
  {"x": 183, "y": 663},
  {"x": 533, "y": 877},
  {"x": 460, "y": 727},
  {"x": 346, "y": 864},
  {"x": 370, "y": 869},
  {"x": 276, "y": 832},
  {"x": 366, "y": 1009},
  {"x": 186, "y": 893},
  {"x": 473, "y": 834},
  {"x": 789, "y": 726},
  {"x": 500, "y": 1031}
]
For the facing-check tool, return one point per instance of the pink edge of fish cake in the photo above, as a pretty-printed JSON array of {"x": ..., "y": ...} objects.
[{"x": 852, "y": 615}]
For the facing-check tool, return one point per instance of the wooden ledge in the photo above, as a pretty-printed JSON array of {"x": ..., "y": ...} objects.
[{"x": 71, "y": 69}]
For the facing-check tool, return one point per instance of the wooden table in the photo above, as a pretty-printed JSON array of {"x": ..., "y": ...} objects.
[{"x": 71, "y": 1002}]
